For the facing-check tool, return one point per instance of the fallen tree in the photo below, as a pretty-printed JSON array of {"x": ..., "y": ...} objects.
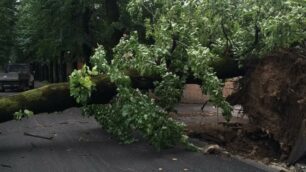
[
  {"x": 48, "y": 98},
  {"x": 56, "y": 97},
  {"x": 273, "y": 96},
  {"x": 182, "y": 47}
]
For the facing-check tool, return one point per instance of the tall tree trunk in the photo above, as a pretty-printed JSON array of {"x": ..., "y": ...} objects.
[
  {"x": 69, "y": 68},
  {"x": 51, "y": 80},
  {"x": 87, "y": 50},
  {"x": 55, "y": 71},
  {"x": 60, "y": 67},
  {"x": 56, "y": 97},
  {"x": 112, "y": 10},
  {"x": 112, "y": 15},
  {"x": 46, "y": 72}
]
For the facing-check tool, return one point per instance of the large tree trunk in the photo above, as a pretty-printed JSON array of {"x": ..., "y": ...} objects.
[
  {"x": 273, "y": 96},
  {"x": 56, "y": 97}
]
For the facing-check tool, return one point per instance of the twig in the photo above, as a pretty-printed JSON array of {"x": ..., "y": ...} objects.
[
  {"x": 182, "y": 43},
  {"x": 6, "y": 166},
  {"x": 217, "y": 114},
  {"x": 65, "y": 122},
  {"x": 203, "y": 106},
  {"x": 38, "y": 136}
]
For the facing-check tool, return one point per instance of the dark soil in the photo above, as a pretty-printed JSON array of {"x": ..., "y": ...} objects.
[
  {"x": 273, "y": 95},
  {"x": 239, "y": 139}
]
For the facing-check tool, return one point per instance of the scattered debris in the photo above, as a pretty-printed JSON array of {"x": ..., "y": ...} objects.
[
  {"x": 300, "y": 167},
  {"x": 254, "y": 151},
  {"x": 6, "y": 166},
  {"x": 81, "y": 139},
  {"x": 174, "y": 159},
  {"x": 282, "y": 167},
  {"x": 38, "y": 136},
  {"x": 213, "y": 149},
  {"x": 238, "y": 137},
  {"x": 266, "y": 160},
  {"x": 33, "y": 146},
  {"x": 64, "y": 122}
]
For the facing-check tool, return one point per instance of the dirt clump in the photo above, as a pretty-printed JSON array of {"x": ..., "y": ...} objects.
[
  {"x": 240, "y": 139},
  {"x": 273, "y": 95}
]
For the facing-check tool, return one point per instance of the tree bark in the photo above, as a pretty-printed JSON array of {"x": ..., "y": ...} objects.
[{"x": 56, "y": 97}]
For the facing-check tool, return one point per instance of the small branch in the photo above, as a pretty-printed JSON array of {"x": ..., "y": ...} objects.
[
  {"x": 174, "y": 44},
  {"x": 6, "y": 166},
  {"x": 38, "y": 136},
  {"x": 203, "y": 106},
  {"x": 182, "y": 43},
  {"x": 229, "y": 43},
  {"x": 151, "y": 12}
]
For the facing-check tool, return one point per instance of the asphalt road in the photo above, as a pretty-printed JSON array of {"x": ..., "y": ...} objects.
[{"x": 80, "y": 145}]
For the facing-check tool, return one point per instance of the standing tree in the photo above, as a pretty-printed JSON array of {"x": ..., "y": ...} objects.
[
  {"x": 64, "y": 31},
  {"x": 7, "y": 34}
]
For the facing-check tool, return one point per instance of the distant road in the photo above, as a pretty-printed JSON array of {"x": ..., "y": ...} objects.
[
  {"x": 3, "y": 94},
  {"x": 12, "y": 92}
]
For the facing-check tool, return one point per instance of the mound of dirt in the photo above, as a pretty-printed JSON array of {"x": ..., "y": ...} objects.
[{"x": 273, "y": 95}]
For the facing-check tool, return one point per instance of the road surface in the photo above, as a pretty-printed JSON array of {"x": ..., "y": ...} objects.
[{"x": 77, "y": 144}]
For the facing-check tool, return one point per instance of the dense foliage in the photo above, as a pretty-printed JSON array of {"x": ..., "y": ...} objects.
[
  {"x": 121, "y": 117},
  {"x": 51, "y": 29},
  {"x": 183, "y": 39},
  {"x": 173, "y": 40}
]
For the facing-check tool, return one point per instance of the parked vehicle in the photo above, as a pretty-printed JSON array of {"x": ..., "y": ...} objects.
[{"x": 17, "y": 76}]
